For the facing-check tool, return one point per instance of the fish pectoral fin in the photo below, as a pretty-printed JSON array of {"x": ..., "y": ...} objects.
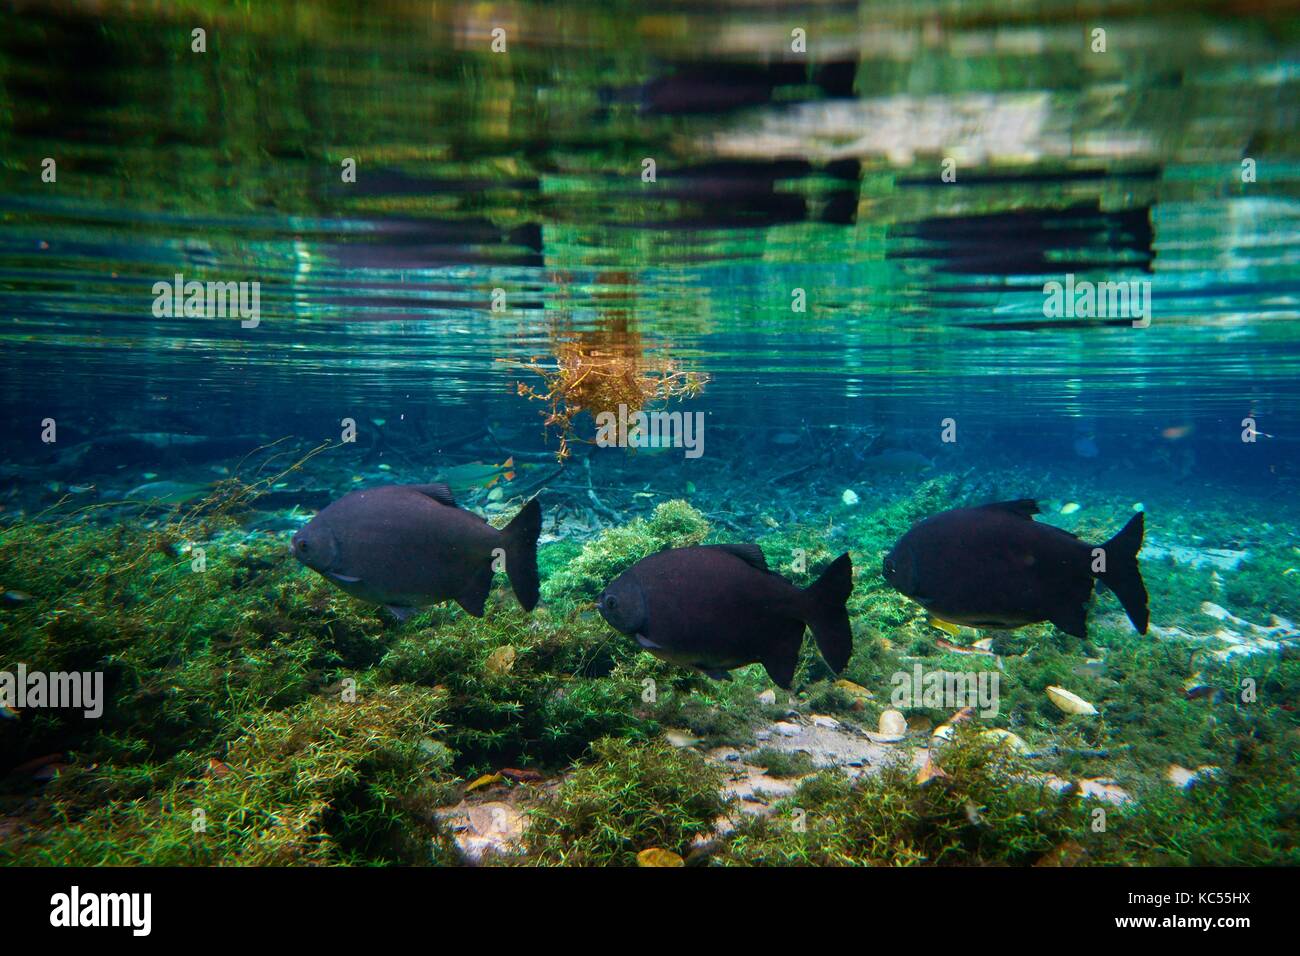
[
  {"x": 648, "y": 644},
  {"x": 343, "y": 578},
  {"x": 1072, "y": 620},
  {"x": 403, "y": 614}
]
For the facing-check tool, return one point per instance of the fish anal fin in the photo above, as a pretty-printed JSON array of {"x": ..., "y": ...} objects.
[
  {"x": 717, "y": 673},
  {"x": 1072, "y": 620},
  {"x": 781, "y": 658},
  {"x": 475, "y": 596},
  {"x": 751, "y": 554}
]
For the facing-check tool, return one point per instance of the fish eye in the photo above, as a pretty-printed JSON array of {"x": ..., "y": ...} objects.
[
  {"x": 611, "y": 601},
  {"x": 302, "y": 544}
]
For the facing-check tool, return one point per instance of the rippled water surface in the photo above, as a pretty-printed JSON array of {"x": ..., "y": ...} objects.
[{"x": 775, "y": 171}]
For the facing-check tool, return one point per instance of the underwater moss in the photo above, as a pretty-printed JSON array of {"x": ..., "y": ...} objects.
[
  {"x": 625, "y": 798},
  {"x": 984, "y": 811},
  {"x": 225, "y": 693},
  {"x": 781, "y": 763},
  {"x": 331, "y": 780},
  {"x": 674, "y": 524}
]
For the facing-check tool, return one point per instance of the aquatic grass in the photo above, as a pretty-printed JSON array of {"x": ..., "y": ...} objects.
[
  {"x": 781, "y": 764},
  {"x": 674, "y": 524},
  {"x": 986, "y": 811},
  {"x": 626, "y": 797},
  {"x": 244, "y": 664},
  {"x": 331, "y": 780},
  {"x": 545, "y": 707},
  {"x": 182, "y": 650}
]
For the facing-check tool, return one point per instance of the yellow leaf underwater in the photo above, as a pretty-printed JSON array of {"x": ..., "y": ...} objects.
[
  {"x": 484, "y": 781},
  {"x": 946, "y": 626},
  {"x": 658, "y": 857},
  {"x": 502, "y": 660},
  {"x": 998, "y": 735},
  {"x": 854, "y": 690},
  {"x": 1069, "y": 703}
]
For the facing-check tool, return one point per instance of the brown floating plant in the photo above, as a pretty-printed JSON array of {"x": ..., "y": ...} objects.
[{"x": 597, "y": 372}]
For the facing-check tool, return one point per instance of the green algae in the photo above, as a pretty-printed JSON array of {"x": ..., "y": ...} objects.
[
  {"x": 626, "y": 798},
  {"x": 310, "y": 728},
  {"x": 674, "y": 524},
  {"x": 984, "y": 812},
  {"x": 327, "y": 781}
]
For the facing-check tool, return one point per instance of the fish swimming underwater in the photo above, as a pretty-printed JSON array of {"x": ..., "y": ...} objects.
[
  {"x": 718, "y": 607},
  {"x": 477, "y": 474},
  {"x": 409, "y": 546},
  {"x": 995, "y": 566}
]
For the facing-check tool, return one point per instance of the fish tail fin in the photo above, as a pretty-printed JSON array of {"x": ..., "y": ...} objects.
[
  {"x": 825, "y": 612},
  {"x": 1122, "y": 574},
  {"x": 521, "y": 553}
]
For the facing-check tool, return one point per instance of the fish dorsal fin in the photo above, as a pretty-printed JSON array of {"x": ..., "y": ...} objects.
[
  {"x": 438, "y": 492},
  {"x": 751, "y": 554},
  {"x": 1025, "y": 507}
]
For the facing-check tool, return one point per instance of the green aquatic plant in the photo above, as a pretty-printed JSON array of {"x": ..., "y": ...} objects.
[
  {"x": 674, "y": 524},
  {"x": 625, "y": 798},
  {"x": 522, "y": 689},
  {"x": 1266, "y": 584},
  {"x": 988, "y": 809},
  {"x": 782, "y": 764},
  {"x": 225, "y": 692},
  {"x": 333, "y": 780},
  {"x": 184, "y": 646}
]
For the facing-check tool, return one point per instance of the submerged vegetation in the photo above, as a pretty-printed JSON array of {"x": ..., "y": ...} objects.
[
  {"x": 603, "y": 372},
  {"x": 255, "y": 714},
  {"x": 626, "y": 798}
]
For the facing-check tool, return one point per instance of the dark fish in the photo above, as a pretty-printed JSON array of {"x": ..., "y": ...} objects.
[
  {"x": 994, "y": 566},
  {"x": 718, "y": 607},
  {"x": 409, "y": 546}
]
